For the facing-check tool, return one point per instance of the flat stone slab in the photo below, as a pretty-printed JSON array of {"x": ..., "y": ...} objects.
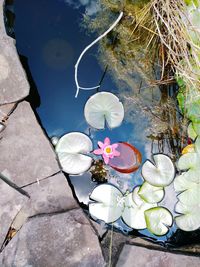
[
  {"x": 63, "y": 240},
  {"x": 136, "y": 256},
  {"x": 50, "y": 195},
  {"x": 5, "y": 110},
  {"x": 191, "y": 249},
  {"x": 27, "y": 153},
  {"x": 13, "y": 82},
  {"x": 2, "y": 28},
  {"x": 11, "y": 203}
]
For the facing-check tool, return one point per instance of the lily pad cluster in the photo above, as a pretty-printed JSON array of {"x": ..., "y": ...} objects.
[
  {"x": 74, "y": 149},
  {"x": 138, "y": 209},
  {"x": 187, "y": 184}
]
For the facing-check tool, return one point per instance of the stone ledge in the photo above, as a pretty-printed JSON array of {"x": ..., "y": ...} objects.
[
  {"x": 12, "y": 75},
  {"x": 11, "y": 203},
  {"x": 28, "y": 155},
  {"x": 51, "y": 195},
  {"x": 59, "y": 240},
  {"x": 136, "y": 256}
]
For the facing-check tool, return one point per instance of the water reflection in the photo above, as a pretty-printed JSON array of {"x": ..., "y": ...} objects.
[{"x": 49, "y": 35}]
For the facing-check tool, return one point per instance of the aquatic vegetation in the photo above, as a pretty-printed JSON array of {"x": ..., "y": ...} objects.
[
  {"x": 129, "y": 159},
  {"x": 99, "y": 172},
  {"x": 161, "y": 173},
  {"x": 78, "y": 87},
  {"x": 122, "y": 156},
  {"x": 72, "y": 150},
  {"x": 188, "y": 148},
  {"x": 159, "y": 40},
  {"x": 110, "y": 204},
  {"x": 107, "y": 150},
  {"x": 143, "y": 53},
  {"x": 104, "y": 108},
  {"x": 150, "y": 193},
  {"x": 158, "y": 220},
  {"x": 188, "y": 185},
  {"x": 134, "y": 211}
]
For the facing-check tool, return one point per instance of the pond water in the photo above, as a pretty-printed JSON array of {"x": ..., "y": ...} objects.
[{"x": 49, "y": 39}]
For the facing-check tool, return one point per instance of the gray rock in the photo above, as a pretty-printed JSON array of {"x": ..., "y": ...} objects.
[
  {"x": 13, "y": 82},
  {"x": 113, "y": 241},
  {"x": 51, "y": 195},
  {"x": 2, "y": 28},
  {"x": 139, "y": 257},
  {"x": 48, "y": 196},
  {"x": 11, "y": 203},
  {"x": 192, "y": 249},
  {"x": 27, "y": 153},
  {"x": 5, "y": 110},
  {"x": 63, "y": 240},
  {"x": 2, "y": 127},
  {"x": 100, "y": 228}
]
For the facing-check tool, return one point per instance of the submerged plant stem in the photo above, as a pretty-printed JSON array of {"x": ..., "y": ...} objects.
[
  {"x": 110, "y": 248},
  {"x": 78, "y": 87}
]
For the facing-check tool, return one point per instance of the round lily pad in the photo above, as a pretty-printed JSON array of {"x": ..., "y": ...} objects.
[
  {"x": 104, "y": 108},
  {"x": 161, "y": 173},
  {"x": 191, "y": 196},
  {"x": 158, "y": 220},
  {"x": 185, "y": 181},
  {"x": 133, "y": 214},
  {"x": 150, "y": 193},
  {"x": 108, "y": 205},
  {"x": 189, "y": 219},
  {"x": 72, "y": 151},
  {"x": 129, "y": 160}
]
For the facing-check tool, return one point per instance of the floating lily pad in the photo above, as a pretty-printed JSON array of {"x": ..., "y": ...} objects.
[
  {"x": 129, "y": 160},
  {"x": 189, "y": 220},
  {"x": 133, "y": 214},
  {"x": 190, "y": 163},
  {"x": 158, "y": 220},
  {"x": 136, "y": 197},
  {"x": 187, "y": 161},
  {"x": 161, "y": 173},
  {"x": 102, "y": 108},
  {"x": 185, "y": 181},
  {"x": 150, "y": 193},
  {"x": 108, "y": 205},
  {"x": 72, "y": 151},
  {"x": 191, "y": 131},
  {"x": 191, "y": 196}
]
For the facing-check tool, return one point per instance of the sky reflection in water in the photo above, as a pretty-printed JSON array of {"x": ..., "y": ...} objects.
[{"x": 48, "y": 33}]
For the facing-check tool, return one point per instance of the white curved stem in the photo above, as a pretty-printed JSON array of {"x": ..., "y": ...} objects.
[{"x": 78, "y": 87}]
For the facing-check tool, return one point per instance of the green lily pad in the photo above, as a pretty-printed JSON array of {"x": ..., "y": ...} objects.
[
  {"x": 161, "y": 173},
  {"x": 133, "y": 214},
  {"x": 191, "y": 196},
  {"x": 189, "y": 219},
  {"x": 191, "y": 132},
  {"x": 150, "y": 193},
  {"x": 158, "y": 220}
]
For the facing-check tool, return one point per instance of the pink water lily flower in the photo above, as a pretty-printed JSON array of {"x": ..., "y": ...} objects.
[{"x": 107, "y": 150}]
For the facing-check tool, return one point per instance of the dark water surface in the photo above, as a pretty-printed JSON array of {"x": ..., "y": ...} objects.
[{"x": 49, "y": 39}]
